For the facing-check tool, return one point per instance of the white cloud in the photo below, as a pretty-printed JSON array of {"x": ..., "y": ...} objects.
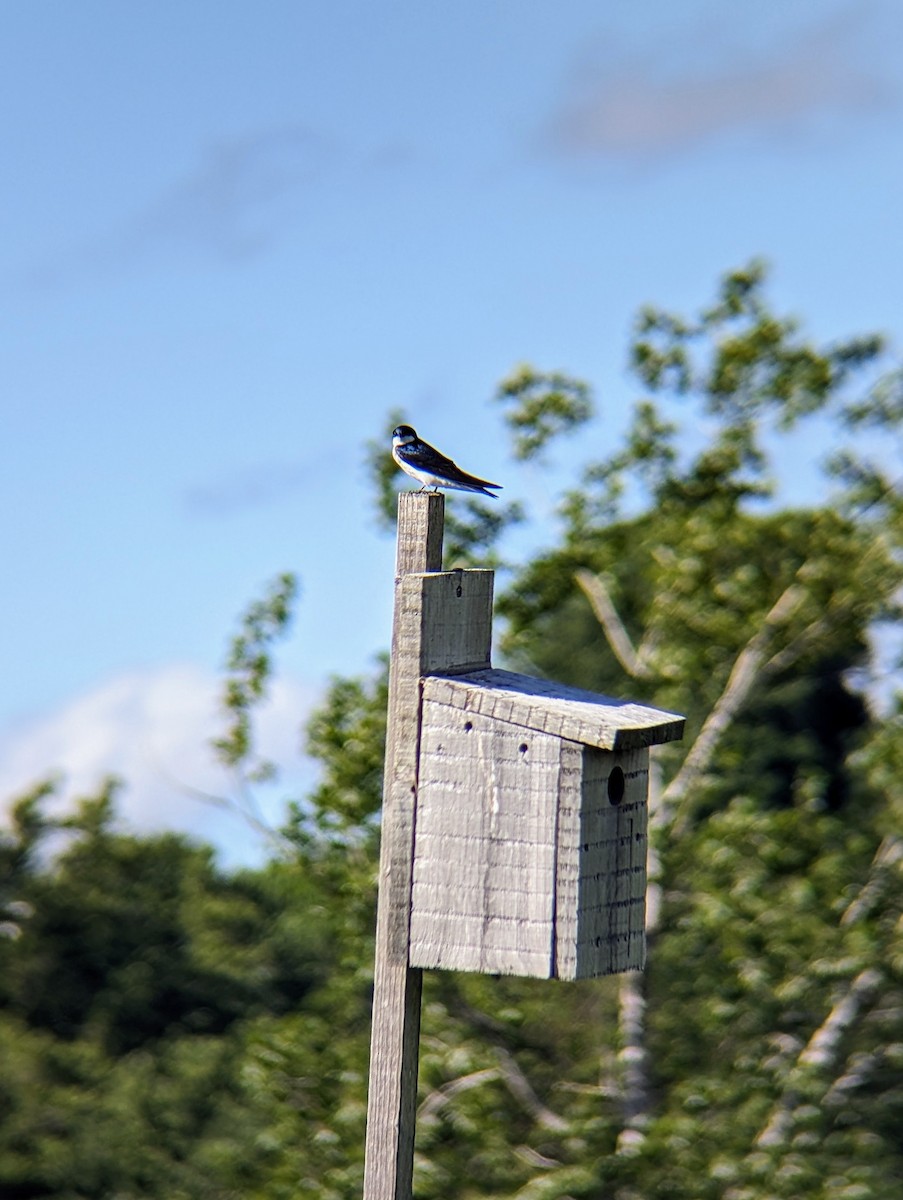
[
  {"x": 234, "y": 202},
  {"x": 239, "y": 196},
  {"x": 152, "y": 729},
  {"x": 683, "y": 93}
]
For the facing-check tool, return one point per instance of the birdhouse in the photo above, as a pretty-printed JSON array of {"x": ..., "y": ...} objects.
[
  {"x": 513, "y": 822},
  {"x": 530, "y": 830}
]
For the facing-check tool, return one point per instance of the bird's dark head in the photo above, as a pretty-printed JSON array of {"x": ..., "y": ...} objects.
[{"x": 402, "y": 434}]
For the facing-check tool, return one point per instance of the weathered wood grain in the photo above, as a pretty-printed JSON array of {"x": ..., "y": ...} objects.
[
  {"x": 447, "y": 615},
  {"x": 421, "y": 524},
  {"x": 483, "y": 888},
  {"x": 442, "y": 621},
  {"x": 394, "y": 1046},
  {"x": 523, "y": 864},
  {"x": 572, "y": 713},
  {"x": 513, "y": 826},
  {"x": 601, "y": 872}
]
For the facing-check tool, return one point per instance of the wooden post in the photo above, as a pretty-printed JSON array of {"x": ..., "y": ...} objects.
[
  {"x": 511, "y": 791},
  {"x": 392, "y": 1098}
]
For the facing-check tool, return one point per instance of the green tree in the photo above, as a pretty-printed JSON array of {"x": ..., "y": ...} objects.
[
  {"x": 756, "y": 1057},
  {"x": 758, "y": 1052},
  {"x": 132, "y": 999},
  {"x": 169, "y": 1029}
]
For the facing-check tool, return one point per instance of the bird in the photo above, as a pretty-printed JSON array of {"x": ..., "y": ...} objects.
[{"x": 430, "y": 468}]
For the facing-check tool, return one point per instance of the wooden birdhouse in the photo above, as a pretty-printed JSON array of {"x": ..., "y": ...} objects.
[
  {"x": 530, "y": 827},
  {"x": 513, "y": 824}
]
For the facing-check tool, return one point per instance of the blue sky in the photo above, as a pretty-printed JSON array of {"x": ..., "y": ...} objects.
[{"x": 234, "y": 235}]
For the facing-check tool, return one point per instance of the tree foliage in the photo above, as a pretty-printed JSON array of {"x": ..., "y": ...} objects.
[
  {"x": 249, "y": 666},
  {"x": 170, "y": 1029}
]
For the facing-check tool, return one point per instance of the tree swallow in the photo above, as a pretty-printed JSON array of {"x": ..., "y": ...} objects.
[{"x": 432, "y": 469}]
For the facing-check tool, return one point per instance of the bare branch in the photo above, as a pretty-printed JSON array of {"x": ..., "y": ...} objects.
[
  {"x": 243, "y": 804},
  {"x": 634, "y": 1060},
  {"x": 607, "y": 615},
  {"x": 513, "y": 1078},
  {"x": 888, "y": 854},
  {"x": 823, "y": 1047},
  {"x": 521, "y": 1089},
  {"x": 779, "y": 1123},
  {"x": 746, "y": 670},
  {"x": 857, "y": 1072},
  {"x": 534, "y": 1159},
  {"x": 508, "y": 1070},
  {"x": 438, "y": 1099},
  {"x": 787, "y": 655},
  {"x": 820, "y": 1053}
]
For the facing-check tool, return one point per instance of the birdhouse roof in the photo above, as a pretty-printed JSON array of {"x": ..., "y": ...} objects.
[{"x": 549, "y": 707}]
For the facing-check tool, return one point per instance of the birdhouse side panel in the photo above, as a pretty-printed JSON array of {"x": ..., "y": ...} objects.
[
  {"x": 568, "y": 860},
  {"x": 457, "y": 618},
  {"x": 484, "y": 846},
  {"x": 611, "y": 905}
]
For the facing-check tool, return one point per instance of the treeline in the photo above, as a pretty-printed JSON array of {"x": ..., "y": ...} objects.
[{"x": 168, "y": 1029}]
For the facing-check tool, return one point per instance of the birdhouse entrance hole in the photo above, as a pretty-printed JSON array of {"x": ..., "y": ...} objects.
[{"x": 615, "y": 786}]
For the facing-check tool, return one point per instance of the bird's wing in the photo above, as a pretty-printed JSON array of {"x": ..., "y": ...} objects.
[
  {"x": 428, "y": 458},
  {"x": 422, "y": 454}
]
